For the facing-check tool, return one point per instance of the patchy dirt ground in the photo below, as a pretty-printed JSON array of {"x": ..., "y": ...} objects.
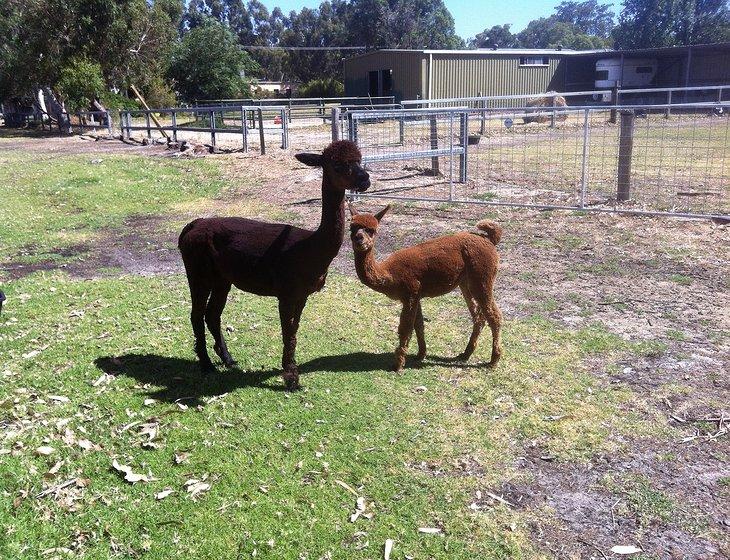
[{"x": 659, "y": 280}]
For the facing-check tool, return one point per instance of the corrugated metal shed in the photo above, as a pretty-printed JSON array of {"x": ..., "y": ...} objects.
[
  {"x": 471, "y": 75},
  {"x": 407, "y": 74},
  {"x": 447, "y": 73},
  {"x": 424, "y": 74}
]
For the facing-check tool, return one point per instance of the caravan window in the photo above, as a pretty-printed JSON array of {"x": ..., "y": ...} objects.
[
  {"x": 602, "y": 75},
  {"x": 534, "y": 61}
]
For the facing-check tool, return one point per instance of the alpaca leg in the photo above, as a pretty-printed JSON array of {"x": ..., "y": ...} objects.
[
  {"x": 199, "y": 296},
  {"x": 478, "y": 320},
  {"x": 420, "y": 335},
  {"x": 491, "y": 312},
  {"x": 494, "y": 317},
  {"x": 290, "y": 312},
  {"x": 213, "y": 313},
  {"x": 405, "y": 330}
]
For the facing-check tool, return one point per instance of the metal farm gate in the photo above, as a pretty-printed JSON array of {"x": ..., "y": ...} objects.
[{"x": 628, "y": 159}]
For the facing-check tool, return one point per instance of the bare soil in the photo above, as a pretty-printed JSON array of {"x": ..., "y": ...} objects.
[{"x": 654, "y": 279}]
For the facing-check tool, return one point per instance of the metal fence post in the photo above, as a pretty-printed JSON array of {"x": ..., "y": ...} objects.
[
  {"x": 584, "y": 169},
  {"x": 614, "y": 102},
  {"x": 625, "y": 149},
  {"x": 261, "y": 131},
  {"x": 244, "y": 129},
  {"x": 149, "y": 129},
  {"x": 434, "y": 146},
  {"x": 174, "y": 126},
  {"x": 719, "y": 95},
  {"x": 483, "y": 125},
  {"x": 335, "y": 124},
  {"x": 81, "y": 126},
  {"x": 284, "y": 130},
  {"x": 464, "y": 141},
  {"x": 109, "y": 123}
]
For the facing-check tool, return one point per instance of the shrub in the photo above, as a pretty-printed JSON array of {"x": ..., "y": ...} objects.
[
  {"x": 209, "y": 64},
  {"x": 322, "y": 87},
  {"x": 80, "y": 82}
]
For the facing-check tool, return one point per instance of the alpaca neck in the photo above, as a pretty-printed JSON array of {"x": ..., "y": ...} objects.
[
  {"x": 369, "y": 271},
  {"x": 331, "y": 230}
]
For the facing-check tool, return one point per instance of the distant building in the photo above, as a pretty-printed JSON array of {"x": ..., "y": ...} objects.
[
  {"x": 434, "y": 74},
  {"x": 275, "y": 89}
]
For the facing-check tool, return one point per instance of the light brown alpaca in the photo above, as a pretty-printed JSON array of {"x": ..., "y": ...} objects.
[{"x": 468, "y": 260}]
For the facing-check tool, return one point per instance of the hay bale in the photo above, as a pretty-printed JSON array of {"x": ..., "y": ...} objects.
[{"x": 542, "y": 103}]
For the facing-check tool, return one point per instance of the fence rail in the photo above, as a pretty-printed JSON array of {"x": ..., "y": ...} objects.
[
  {"x": 306, "y": 107},
  {"x": 214, "y": 121},
  {"x": 570, "y": 158},
  {"x": 611, "y": 96}
]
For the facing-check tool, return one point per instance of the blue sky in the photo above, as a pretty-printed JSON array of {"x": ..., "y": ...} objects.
[{"x": 471, "y": 16}]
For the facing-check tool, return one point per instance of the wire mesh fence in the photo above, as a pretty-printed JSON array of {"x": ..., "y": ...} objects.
[{"x": 577, "y": 158}]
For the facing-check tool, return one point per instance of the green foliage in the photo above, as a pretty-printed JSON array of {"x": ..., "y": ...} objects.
[
  {"x": 209, "y": 64},
  {"x": 115, "y": 101},
  {"x": 322, "y": 87},
  {"x": 589, "y": 17},
  {"x": 661, "y": 23},
  {"x": 553, "y": 33},
  {"x": 499, "y": 35},
  {"x": 80, "y": 82}
]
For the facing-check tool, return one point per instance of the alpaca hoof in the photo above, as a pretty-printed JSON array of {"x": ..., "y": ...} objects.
[
  {"x": 397, "y": 367},
  {"x": 463, "y": 357},
  {"x": 207, "y": 367},
  {"x": 420, "y": 356},
  {"x": 230, "y": 362},
  {"x": 291, "y": 382},
  {"x": 493, "y": 363}
]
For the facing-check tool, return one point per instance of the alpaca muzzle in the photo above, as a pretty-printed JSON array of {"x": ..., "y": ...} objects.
[{"x": 362, "y": 181}]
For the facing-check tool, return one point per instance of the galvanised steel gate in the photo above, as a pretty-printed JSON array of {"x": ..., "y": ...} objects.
[{"x": 575, "y": 158}]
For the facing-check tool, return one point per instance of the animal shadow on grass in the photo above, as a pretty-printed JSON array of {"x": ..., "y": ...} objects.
[{"x": 180, "y": 379}]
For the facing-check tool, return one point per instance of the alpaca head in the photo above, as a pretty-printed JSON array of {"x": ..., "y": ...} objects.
[
  {"x": 341, "y": 163},
  {"x": 363, "y": 229}
]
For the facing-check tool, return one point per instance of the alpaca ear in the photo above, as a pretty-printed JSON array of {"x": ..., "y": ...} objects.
[
  {"x": 312, "y": 160},
  {"x": 353, "y": 212},
  {"x": 383, "y": 212}
]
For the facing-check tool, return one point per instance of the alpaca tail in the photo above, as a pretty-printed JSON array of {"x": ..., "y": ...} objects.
[
  {"x": 184, "y": 232},
  {"x": 492, "y": 230}
]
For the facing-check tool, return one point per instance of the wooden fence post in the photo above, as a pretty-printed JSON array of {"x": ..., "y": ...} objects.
[
  {"x": 625, "y": 150},
  {"x": 261, "y": 131},
  {"x": 668, "y": 111},
  {"x": 464, "y": 142},
  {"x": 434, "y": 146},
  {"x": 614, "y": 101}
]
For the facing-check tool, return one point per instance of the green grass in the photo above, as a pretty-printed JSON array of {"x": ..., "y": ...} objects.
[
  {"x": 57, "y": 202},
  {"x": 272, "y": 458},
  {"x": 109, "y": 345}
]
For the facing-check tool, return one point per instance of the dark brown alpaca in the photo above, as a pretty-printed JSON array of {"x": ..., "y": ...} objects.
[
  {"x": 277, "y": 260},
  {"x": 468, "y": 260}
]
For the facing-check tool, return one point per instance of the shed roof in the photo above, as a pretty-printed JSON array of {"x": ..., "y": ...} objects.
[{"x": 552, "y": 52}]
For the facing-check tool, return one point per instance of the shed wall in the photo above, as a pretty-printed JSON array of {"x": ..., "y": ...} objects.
[
  {"x": 470, "y": 75},
  {"x": 406, "y": 67}
]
